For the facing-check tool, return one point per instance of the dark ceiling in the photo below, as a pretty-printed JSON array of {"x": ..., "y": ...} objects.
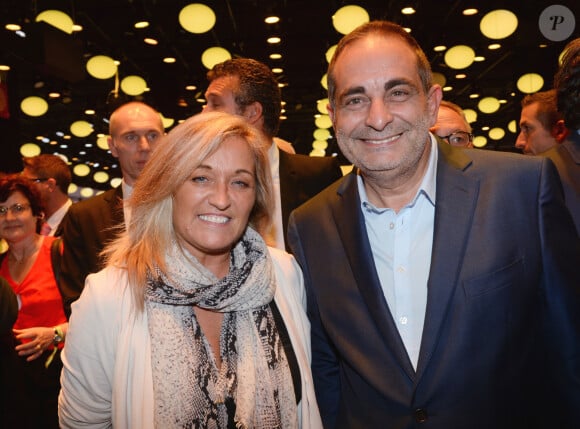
[{"x": 58, "y": 61}]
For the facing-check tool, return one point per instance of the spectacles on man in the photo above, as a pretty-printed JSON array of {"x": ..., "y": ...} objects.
[
  {"x": 15, "y": 209},
  {"x": 458, "y": 138}
]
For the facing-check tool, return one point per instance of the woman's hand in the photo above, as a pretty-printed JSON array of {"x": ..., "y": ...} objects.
[{"x": 34, "y": 341}]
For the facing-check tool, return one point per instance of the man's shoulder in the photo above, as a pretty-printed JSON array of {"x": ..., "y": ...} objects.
[{"x": 102, "y": 199}]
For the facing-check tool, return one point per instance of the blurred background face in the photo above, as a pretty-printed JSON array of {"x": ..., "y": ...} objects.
[
  {"x": 18, "y": 222},
  {"x": 450, "y": 122},
  {"x": 220, "y": 96},
  {"x": 533, "y": 138},
  {"x": 211, "y": 210},
  {"x": 41, "y": 183},
  {"x": 135, "y": 132}
]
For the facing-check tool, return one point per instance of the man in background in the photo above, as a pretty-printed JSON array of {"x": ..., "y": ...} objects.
[
  {"x": 566, "y": 156},
  {"x": 52, "y": 177},
  {"x": 134, "y": 128},
  {"x": 541, "y": 125},
  {"x": 248, "y": 88},
  {"x": 452, "y": 125}
]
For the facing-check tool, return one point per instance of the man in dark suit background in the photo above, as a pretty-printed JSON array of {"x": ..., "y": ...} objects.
[
  {"x": 89, "y": 225},
  {"x": 248, "y": 88},
  {"x": 442, "y": 283},
  {"x": 566, "y": 156}
]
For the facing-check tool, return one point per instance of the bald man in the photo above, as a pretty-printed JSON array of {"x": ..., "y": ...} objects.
[
  {"x": 452, "y": 125},
  {"x": 134, "y": 129}
]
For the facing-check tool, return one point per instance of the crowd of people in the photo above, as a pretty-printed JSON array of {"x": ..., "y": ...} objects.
[{"x": 229, "y": 282}]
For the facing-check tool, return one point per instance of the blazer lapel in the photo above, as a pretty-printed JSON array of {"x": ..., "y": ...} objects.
[
  {"x": 351, "y": 228},
  {"x": 456, "y": 198}
]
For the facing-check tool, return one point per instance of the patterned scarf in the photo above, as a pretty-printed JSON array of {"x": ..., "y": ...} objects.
[{"x": 190, "y": 391}]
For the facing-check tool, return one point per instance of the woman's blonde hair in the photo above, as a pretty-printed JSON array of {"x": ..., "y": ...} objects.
[{"x": 142, "y": 247}]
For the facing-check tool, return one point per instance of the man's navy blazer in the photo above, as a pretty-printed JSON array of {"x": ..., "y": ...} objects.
[{"x": 501, "y": 340}]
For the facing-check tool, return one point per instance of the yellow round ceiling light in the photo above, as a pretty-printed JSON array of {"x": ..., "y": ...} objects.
[
  {"x": 197, "y": 18},
  {"x": 133, "y": 85},
  {"x": 34, "y": 106},
  {"x": 81, "y": 128},
  {"x": 101, "y": 67},
  {"x": 57, "y": 19},
  {"x": 29, "y": 149},
  {"x": 530, "y": 83},
  {"x": 323, "y": 121},
  {"x": 488, "y": 105},
  {"x": 213, "y": 56},
  {"x": 347, "y": 18},
  {"x": 498, "y": 24},
  {"x": 459, "y": 57}
]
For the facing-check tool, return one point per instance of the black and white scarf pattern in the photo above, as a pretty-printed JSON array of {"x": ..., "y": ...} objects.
[{"x": 190, "y": 392}]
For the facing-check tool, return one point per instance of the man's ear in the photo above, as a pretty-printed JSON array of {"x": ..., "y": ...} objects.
[
  {"x": 51, "y": 184},
  {"x": 112, "y": 146},
  {"x": 253, "y": 112},
  {"x": 559, "y": 131}
]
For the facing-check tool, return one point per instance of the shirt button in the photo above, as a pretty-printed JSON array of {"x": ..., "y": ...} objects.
[
  {"x": 403, "y": 320},
  {"x": 420, "y": 415},
  {"x": 391, "y": 225}
]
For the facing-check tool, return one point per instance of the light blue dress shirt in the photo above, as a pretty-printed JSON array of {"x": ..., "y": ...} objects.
[{"x": 401, "y": 244}]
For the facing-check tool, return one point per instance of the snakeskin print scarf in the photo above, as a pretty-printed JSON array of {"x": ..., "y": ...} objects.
[{"x": 190, "y": 391}]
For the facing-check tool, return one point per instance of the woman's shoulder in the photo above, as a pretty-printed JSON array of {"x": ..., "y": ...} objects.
[
  {"x": 109, "y": 283},
  {"x": 283, "y": 260}
]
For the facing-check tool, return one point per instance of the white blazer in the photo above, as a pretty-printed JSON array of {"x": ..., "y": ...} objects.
[{"x": 106, "y": 378}]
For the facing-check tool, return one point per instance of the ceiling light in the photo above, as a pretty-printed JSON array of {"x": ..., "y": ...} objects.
[
  {"x": 197, "y": 18},
  {"x": 103, "y": 142},
  {"x": 272, "y": 19},
  {"x": 87, "y": 192},
  {"x": 13, "y": 27},
  {"x": 498, "y": 24},
  {"x": 115, "y": 181},
  {"x": 530, "y": 83},
  {"x": 479, "y": 58},
  {"x": 150, "y": 41},
  {"x": 29, "y": 149},
  {"x": 330, "y": 53},
  {"x": 34, "y": 106},
  {"x": 474, "y": 95},
  {"x": 213, "y": 56},
  {"x": 439, "y": 48},
  {"x": 4, "y": 67},
  {"x": 496, "y": 133},
  {"x": 407, "y": 29},
  {"x": 321, "y": 106},
  {"x": 324, "y": 81},
  {"x": 470, "y": 11},
  {"x": 142, "y": 24},
  {"x": 21, "y": 34},
  {"x": 479, "y": 141},
  {"x": 275, "y": 56},
  {"x": 167, "y": 122},
  {"x": 76, "y": 28},
  {"x": 53, "y": 94},
  {"x": 277, "y": 70},
  {"x": 101, "y": 67},
  {"x": 460, "y": 76},
  {"x": 133, "y": 85},
  {"x": 319, "y": 144},
  {"x": 191, "y": 87},
  {"x": 513, "y": 126},
  {"x": 488, "y": 105},
  {"x": 57, "y": 19},
  {"x": 447, "y": 88},
  {"x": 321, "y": 134},
  {"x": 347, "y": 18},
  {"x": 470, "y": 115},
  {"x": 494, "y": 46},
  {"x": 323, "y": 121},
  {"x": 408, "y": 11},
  {"x": 81, "y": 128},
  {"x": 81, "y": 170},
  {"x": 273, "y": 40},
  {"x": 101, "y": 177},
  {"x": 169, "y": 60},
  {"x": 459, "y": 57},
  {"x": 89, "y": 112}
]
